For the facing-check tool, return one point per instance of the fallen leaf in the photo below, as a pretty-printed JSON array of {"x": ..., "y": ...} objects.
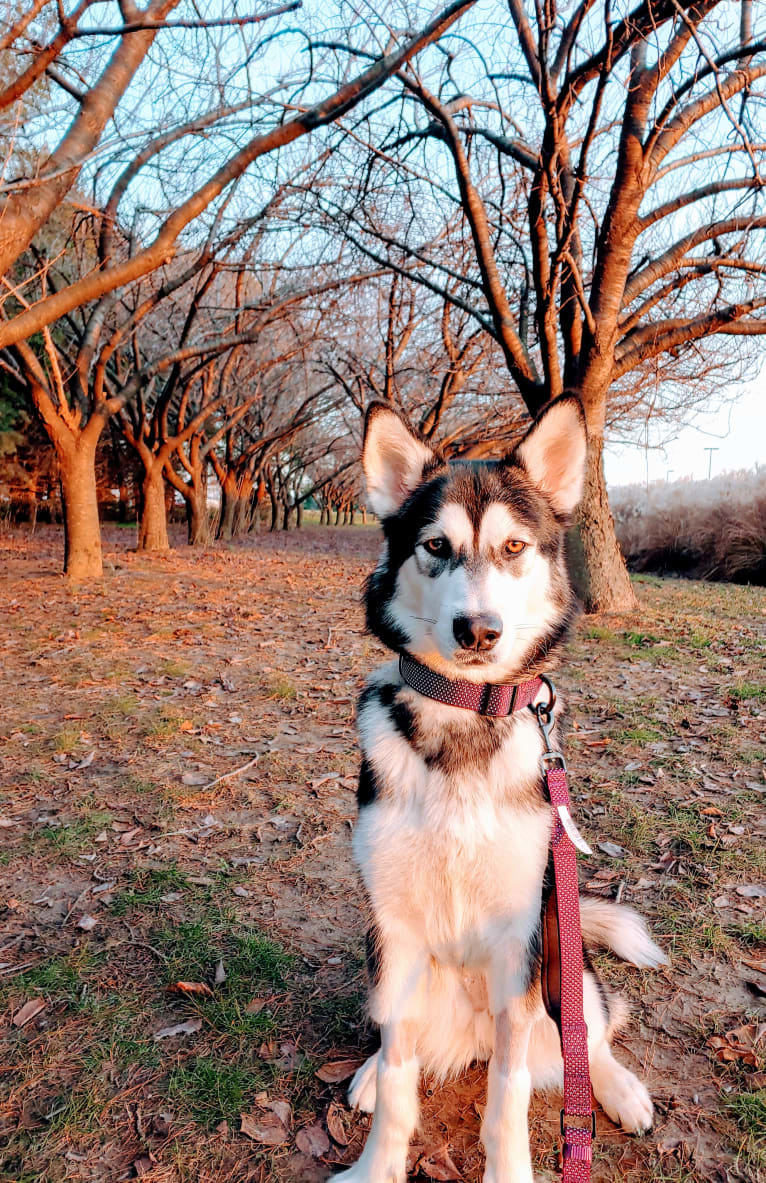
[
  {"x": 143, "y": 1165},
  {"x": 187, "y": 1028},
  {"x": 220, "y": 973},
  {"x": 337, "y": 1070},
  {"x": 335, "y": 1125},
  {"x": 28, "y": 1011},
  {"x": 86, "y": 923},
  {"x": 756, "y": 963},
  {"x": 282, "y": 1110},
  {"x": 194, "y": 778},
  {"x": 312, "y": 1140},
  {"x": 198, "y": 988},
  {"x": 255, "y": 1006},
  {"x": 752, "y": 891},
  {"x": 439, "y": 1165},
  {"x": 611, "y": 848},
  {"x": 266, "y": 1129}
]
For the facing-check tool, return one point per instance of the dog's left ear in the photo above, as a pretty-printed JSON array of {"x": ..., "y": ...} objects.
[
  {"x": 393, "y": 459},
  {"x": 553, "y": 453}
]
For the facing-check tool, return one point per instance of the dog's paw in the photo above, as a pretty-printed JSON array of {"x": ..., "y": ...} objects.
[
  {"x": 362, "y": 1090},
  {"x": 627, "y": 1102},
  {"x": 359, "y": 1173}
]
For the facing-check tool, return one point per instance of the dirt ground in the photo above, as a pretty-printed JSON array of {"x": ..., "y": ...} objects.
[{"x": 181, "y": 947}]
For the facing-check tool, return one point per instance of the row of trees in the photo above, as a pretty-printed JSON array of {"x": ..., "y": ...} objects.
[{"x": 465, "y": 219}]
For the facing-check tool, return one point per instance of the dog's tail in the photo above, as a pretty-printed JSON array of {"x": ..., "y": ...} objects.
[{"x": 623, "y": 931}]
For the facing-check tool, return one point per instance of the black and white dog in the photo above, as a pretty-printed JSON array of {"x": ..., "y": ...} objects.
[{"x": 452, "y": 835}]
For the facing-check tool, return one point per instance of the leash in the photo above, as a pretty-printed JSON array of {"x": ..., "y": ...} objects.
[
  {"x": 562, "y": 973},
  {"x": 562, "y": 968}
]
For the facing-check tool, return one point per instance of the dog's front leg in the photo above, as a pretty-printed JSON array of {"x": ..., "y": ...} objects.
[
  {"x": 384, "y": 1158},
  {"x": 505, "y": 1129}
]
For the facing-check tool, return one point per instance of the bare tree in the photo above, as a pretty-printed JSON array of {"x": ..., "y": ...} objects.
[
  {"x": 76, "y": 401},
  {"x": 607, "y": 171},
  {"x": 26, "y": 203}
]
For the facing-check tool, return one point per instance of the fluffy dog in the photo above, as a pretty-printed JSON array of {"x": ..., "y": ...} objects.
[{"x": 453, "y": 828}]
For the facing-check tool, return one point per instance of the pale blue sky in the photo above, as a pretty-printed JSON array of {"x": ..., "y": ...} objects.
[{"x": 738, "y": 430}]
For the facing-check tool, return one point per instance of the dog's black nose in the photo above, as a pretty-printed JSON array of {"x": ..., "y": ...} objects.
[{"x": 477, "y": 632}]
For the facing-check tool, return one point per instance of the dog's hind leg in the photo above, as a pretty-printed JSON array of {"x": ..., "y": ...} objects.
[
  {"x": 505, "y": 1129},
  {"x": 619, "y": 1091},
  {"x": 361, "y": 1093}
]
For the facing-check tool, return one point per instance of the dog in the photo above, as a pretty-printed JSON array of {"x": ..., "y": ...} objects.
[{"x": 452, "y": 834}]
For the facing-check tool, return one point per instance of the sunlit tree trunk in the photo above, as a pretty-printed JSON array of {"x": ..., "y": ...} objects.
[
  {"x": 601, "y": 579},
  {"x": 153, "y": 527},
  {"x": 82, "y": 530}
]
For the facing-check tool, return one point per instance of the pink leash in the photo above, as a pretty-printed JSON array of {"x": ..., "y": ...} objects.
[
  {"x": 562, "y": 969},
  {"x": 563, "y": 961}
]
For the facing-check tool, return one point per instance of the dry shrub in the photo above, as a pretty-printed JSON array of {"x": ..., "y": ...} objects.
[{"x": 704, "y": 529}]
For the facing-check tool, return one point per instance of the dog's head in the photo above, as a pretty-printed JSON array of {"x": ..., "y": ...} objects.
[{"x": 472, "y": 580}]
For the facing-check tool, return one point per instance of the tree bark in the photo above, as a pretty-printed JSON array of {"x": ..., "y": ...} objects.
[
  {"x": 153, "y": 527},
  {"x": 196, "y": 519},
  {"x": 601, "y": 580},
  {"x": 286, "y": 516},
  {"x": 79, "y": 500},
  {"x": 228, "y": 506},
  {"x": 299, "y": 515}
]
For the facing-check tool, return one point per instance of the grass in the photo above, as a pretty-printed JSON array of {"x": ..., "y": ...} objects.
[
  {"x": 747, "y": 692},
  {"x": 280, "y": 686},
  {"x": 70, "y": 838},
  {"x": 211, "y": 1091},
  {"x": 749, "y": 1111},
  {"x": 148, "y": 888}
]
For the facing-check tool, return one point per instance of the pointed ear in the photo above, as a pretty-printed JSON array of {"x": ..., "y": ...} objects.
[
  {"x": 393, "y": 459},
  {"x": 553, "y": 453}
]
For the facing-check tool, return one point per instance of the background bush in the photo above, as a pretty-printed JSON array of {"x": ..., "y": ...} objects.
[{"x": 703, "y": 529}]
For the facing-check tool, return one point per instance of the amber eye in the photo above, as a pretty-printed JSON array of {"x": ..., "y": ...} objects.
[
  {"x": 437, "y": 546},
  {"x": 515, "y": 546}
]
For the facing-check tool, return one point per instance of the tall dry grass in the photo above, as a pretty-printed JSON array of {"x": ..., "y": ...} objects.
[{"x": 712, "y": 529}]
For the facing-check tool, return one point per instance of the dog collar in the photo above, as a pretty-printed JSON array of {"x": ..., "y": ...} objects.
[{"x": 486, "y": 698}]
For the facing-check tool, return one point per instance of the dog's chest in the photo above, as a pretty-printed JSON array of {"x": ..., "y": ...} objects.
[{"x": 453, "y": 844}]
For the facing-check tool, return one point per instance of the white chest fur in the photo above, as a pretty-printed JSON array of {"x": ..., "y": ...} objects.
[{"x": 452, "y": 850}]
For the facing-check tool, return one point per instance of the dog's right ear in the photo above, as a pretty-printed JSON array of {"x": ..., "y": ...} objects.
[{"x": 393, "y": 459}]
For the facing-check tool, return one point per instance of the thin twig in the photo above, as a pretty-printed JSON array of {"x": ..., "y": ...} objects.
[{"x": 228, "y": 775}]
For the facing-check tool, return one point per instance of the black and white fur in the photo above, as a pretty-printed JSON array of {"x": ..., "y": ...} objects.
[{"x": 452, "y": 835}]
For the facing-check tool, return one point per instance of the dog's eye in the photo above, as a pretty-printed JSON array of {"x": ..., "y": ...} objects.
[
  {"x": 437, "y": 546},
  {"x": 514, "y": 546}
]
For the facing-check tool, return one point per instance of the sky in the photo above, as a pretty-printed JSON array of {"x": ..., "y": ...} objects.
[{"x": 737, "y": 430}]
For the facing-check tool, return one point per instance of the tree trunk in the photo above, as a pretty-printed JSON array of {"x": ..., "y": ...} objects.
[
  {"x": 228, "y": 506},
  {"x": 337, "y": 515},
  {"x": 243, "y": 505},
  {"x": 153, "y": 527},
  {"x": 601, "y": 578},
  {"x": 299, "y": 515},
  {"x": 286, "y": 516},
  {"x": 79, "y": 501},
  {"x": 196, "y": 519},
  {"x": 364, "y": 515}
]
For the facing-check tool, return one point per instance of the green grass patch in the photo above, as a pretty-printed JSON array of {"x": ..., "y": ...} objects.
[
  {"x": 147, "y": 887},
  {"x": 210, "y": 1090},
  {"x": 747, "y": 692},
  {"x": 59, "y": 980},
  {"x": 70, "y": 838},
  {"x": 749, "y": 1111}
]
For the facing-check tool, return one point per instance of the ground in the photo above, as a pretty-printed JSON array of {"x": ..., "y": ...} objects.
[{"x": 178, "y": 774}]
